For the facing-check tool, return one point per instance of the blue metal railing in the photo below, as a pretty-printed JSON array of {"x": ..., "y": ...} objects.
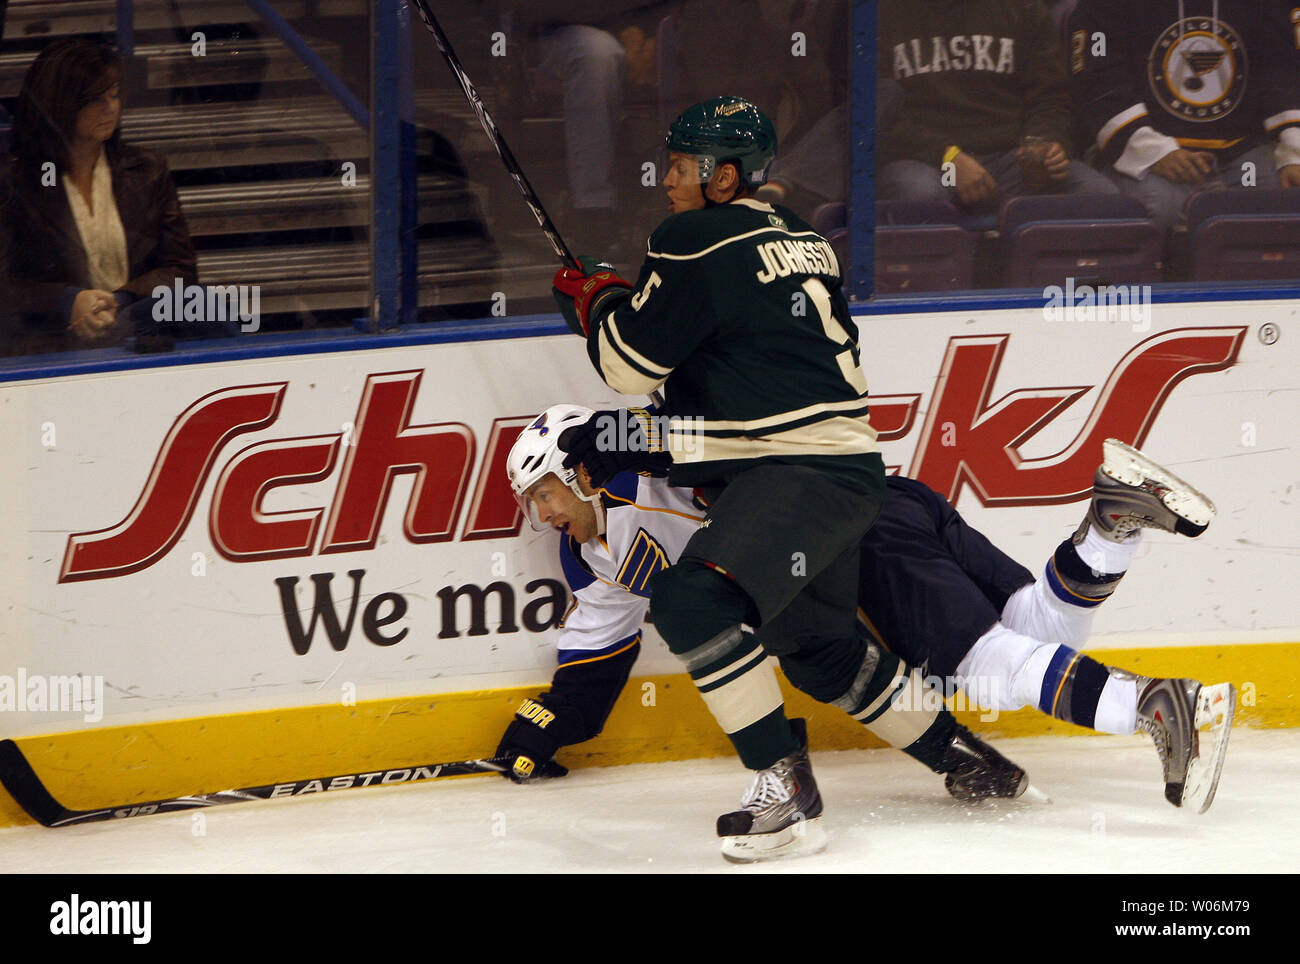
[
  {"x": 126, "y": 27},
  {"x": 862, "y": 152},
  {"x": 390, "y": 123},
  {"x": 310, "y": 59}
]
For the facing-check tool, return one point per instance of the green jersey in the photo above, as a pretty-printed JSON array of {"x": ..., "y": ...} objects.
[{"x": 739, "y": 314}]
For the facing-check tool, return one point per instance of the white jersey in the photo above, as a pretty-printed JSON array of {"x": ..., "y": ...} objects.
[{"x": 647, "y": 524}]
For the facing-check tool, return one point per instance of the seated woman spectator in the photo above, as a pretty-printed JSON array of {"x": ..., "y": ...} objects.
[{"x": 88, "y": 225}]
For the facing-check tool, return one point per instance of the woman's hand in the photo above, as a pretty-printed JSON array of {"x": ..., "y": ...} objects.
[{"x": 94, "y": 313}]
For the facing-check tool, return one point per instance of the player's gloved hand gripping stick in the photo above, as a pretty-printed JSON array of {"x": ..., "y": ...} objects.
[
  {"x": 587, "y": 292},
  {"x": 582, "y": 285}
]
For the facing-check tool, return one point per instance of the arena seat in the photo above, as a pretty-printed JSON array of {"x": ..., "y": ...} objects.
[
  {"x": 829, "y": 217},
  {"x": 1250, "y": 235},
  {"x": 1094, "y": 238},
  {"x": 920, "y": 247}
]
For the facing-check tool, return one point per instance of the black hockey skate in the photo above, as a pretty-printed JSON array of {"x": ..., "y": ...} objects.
[
  {"x": 1173, "y": 712},
  {"x": 976, "y": 771},
  {"x": 779, "y": 815}
]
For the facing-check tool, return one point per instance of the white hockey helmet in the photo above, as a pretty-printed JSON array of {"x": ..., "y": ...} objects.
[{"x": 537, "y": 453}]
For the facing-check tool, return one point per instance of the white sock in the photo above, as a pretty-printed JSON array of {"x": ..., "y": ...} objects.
[
  {"x": 1035, "y": 610},
  {"x": 988, "y": 673},
  {"x": 1117, "y": 707},
  {"x": 1101, "y": 555}
]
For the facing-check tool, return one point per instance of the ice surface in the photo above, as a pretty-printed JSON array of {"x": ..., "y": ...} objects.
[{"x": 883, "y": 812}]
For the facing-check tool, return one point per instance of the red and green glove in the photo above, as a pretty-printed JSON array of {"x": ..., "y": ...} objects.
[{"x": 587, "y": 292}]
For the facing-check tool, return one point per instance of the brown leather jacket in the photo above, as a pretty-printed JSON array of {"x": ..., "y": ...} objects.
[{"x": 43, "y": 263}]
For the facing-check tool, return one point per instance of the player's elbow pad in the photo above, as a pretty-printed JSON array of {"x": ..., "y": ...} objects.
[
  {"x": 621, "y": 368},
  {"x": 631, "y": 384}
]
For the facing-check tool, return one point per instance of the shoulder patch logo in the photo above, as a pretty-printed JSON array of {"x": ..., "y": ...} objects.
[
  {"x": 778, "y": 222},
  {"x": 643, "y": 560},
  {"x": 1197, "y": 69}
]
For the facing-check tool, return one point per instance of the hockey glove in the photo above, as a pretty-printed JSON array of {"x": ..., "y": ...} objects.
[
  {"x": 588, "y": 292},
  {"x": 614, "y": 441},
  {"x": 530, "y": 745}
]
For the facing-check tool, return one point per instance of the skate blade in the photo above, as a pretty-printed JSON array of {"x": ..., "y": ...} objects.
[
  {"x": 1026, "y": 793},
  {"x": 802, "y": 838},
  {"x": 1034, "y": 795},
  {"x": 1215, "y": 707},
  {"x": 1124, "y": 463}
]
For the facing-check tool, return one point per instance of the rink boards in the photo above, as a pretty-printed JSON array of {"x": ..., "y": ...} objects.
[{"x": 303, "y": 564}]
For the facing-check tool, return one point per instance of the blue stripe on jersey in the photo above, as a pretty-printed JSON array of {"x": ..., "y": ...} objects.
[
  {"x": 1067, "y": 595},
  {"x": 577, "y": 575},
  {"x": 574, "y": 655},
  {"x": 622, "y": 487},
  {"x": 1056, "y": 669}
]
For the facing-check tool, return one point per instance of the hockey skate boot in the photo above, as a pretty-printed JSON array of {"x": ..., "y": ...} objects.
[
  {"x": 779, "y": 815},
  {"x": 1173, "y": 711},
  {"x": 976, "y": 771},
  {"x": 1131, "y": 492}
]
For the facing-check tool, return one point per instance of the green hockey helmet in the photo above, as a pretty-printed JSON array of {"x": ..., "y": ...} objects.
[{"x": 725, "y": 129}]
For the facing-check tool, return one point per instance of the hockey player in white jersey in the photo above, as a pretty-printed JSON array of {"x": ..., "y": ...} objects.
[
  {"x": 615, "y": 540},
  {"x": 1023, "y": 658}
]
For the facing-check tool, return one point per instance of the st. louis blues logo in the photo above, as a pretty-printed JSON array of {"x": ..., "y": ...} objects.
[
  {"x": 646, "y": 558},
  {"x": 1197, "y": 69},
  {"x": 540, "y": 424}
]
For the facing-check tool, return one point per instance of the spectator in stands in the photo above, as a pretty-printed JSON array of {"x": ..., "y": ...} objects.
[
  {"x": 814, "y": 170},
  {"x": 794, "y": 59},
  {"x": 1188, "y": 95},
  {"x": 592, "y": 60},
  {"x": 803, "y": 49},
  {"x": 88, "y": 224},
  {"x": 986, "y": 104}
]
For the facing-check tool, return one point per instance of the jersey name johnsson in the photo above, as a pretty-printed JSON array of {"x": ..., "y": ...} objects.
[
  {"x": 647, "y": 524},
  {"x": 739, "y": 313}
]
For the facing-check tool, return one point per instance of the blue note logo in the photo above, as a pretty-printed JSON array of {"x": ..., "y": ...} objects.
[{"x": 1197, "y": 69}]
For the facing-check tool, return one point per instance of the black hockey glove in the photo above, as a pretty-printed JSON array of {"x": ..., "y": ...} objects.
[
  {"x": 613, "y": 441},
  {"x": 529, "y": 744},
  {"x": 585, "y": 293}
]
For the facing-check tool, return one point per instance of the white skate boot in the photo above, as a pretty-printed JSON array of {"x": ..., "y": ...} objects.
[{"x": 1131, "y": 492}]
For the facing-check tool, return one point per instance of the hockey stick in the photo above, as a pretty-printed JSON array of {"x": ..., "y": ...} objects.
[
  {"x": 494, "y": 135},
  {"x": 503, "y": 149},
  {"x": 18, "y": 777}
]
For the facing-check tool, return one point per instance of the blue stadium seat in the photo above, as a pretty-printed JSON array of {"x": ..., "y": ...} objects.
[
  {"x": 916, "y": 212},
  {"x": 1245, "y": 235},
  {"x": 920, "y": 247},
  {"x": 1094, "y": 238},
  {"x": 828, "y": 217}
]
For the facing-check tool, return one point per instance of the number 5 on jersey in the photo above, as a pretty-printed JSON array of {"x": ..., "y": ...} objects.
[
  {"x": 653, "y": 282},
  {"x": 835, "y": 331}
]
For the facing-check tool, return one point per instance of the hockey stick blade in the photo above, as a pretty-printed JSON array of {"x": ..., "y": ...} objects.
[
  {"x": 22, "y": 783},
  {"x": 494, "y": 135}
]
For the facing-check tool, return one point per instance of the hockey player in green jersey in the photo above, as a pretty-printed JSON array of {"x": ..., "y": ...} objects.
[{"x": 738, "y": 314}]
